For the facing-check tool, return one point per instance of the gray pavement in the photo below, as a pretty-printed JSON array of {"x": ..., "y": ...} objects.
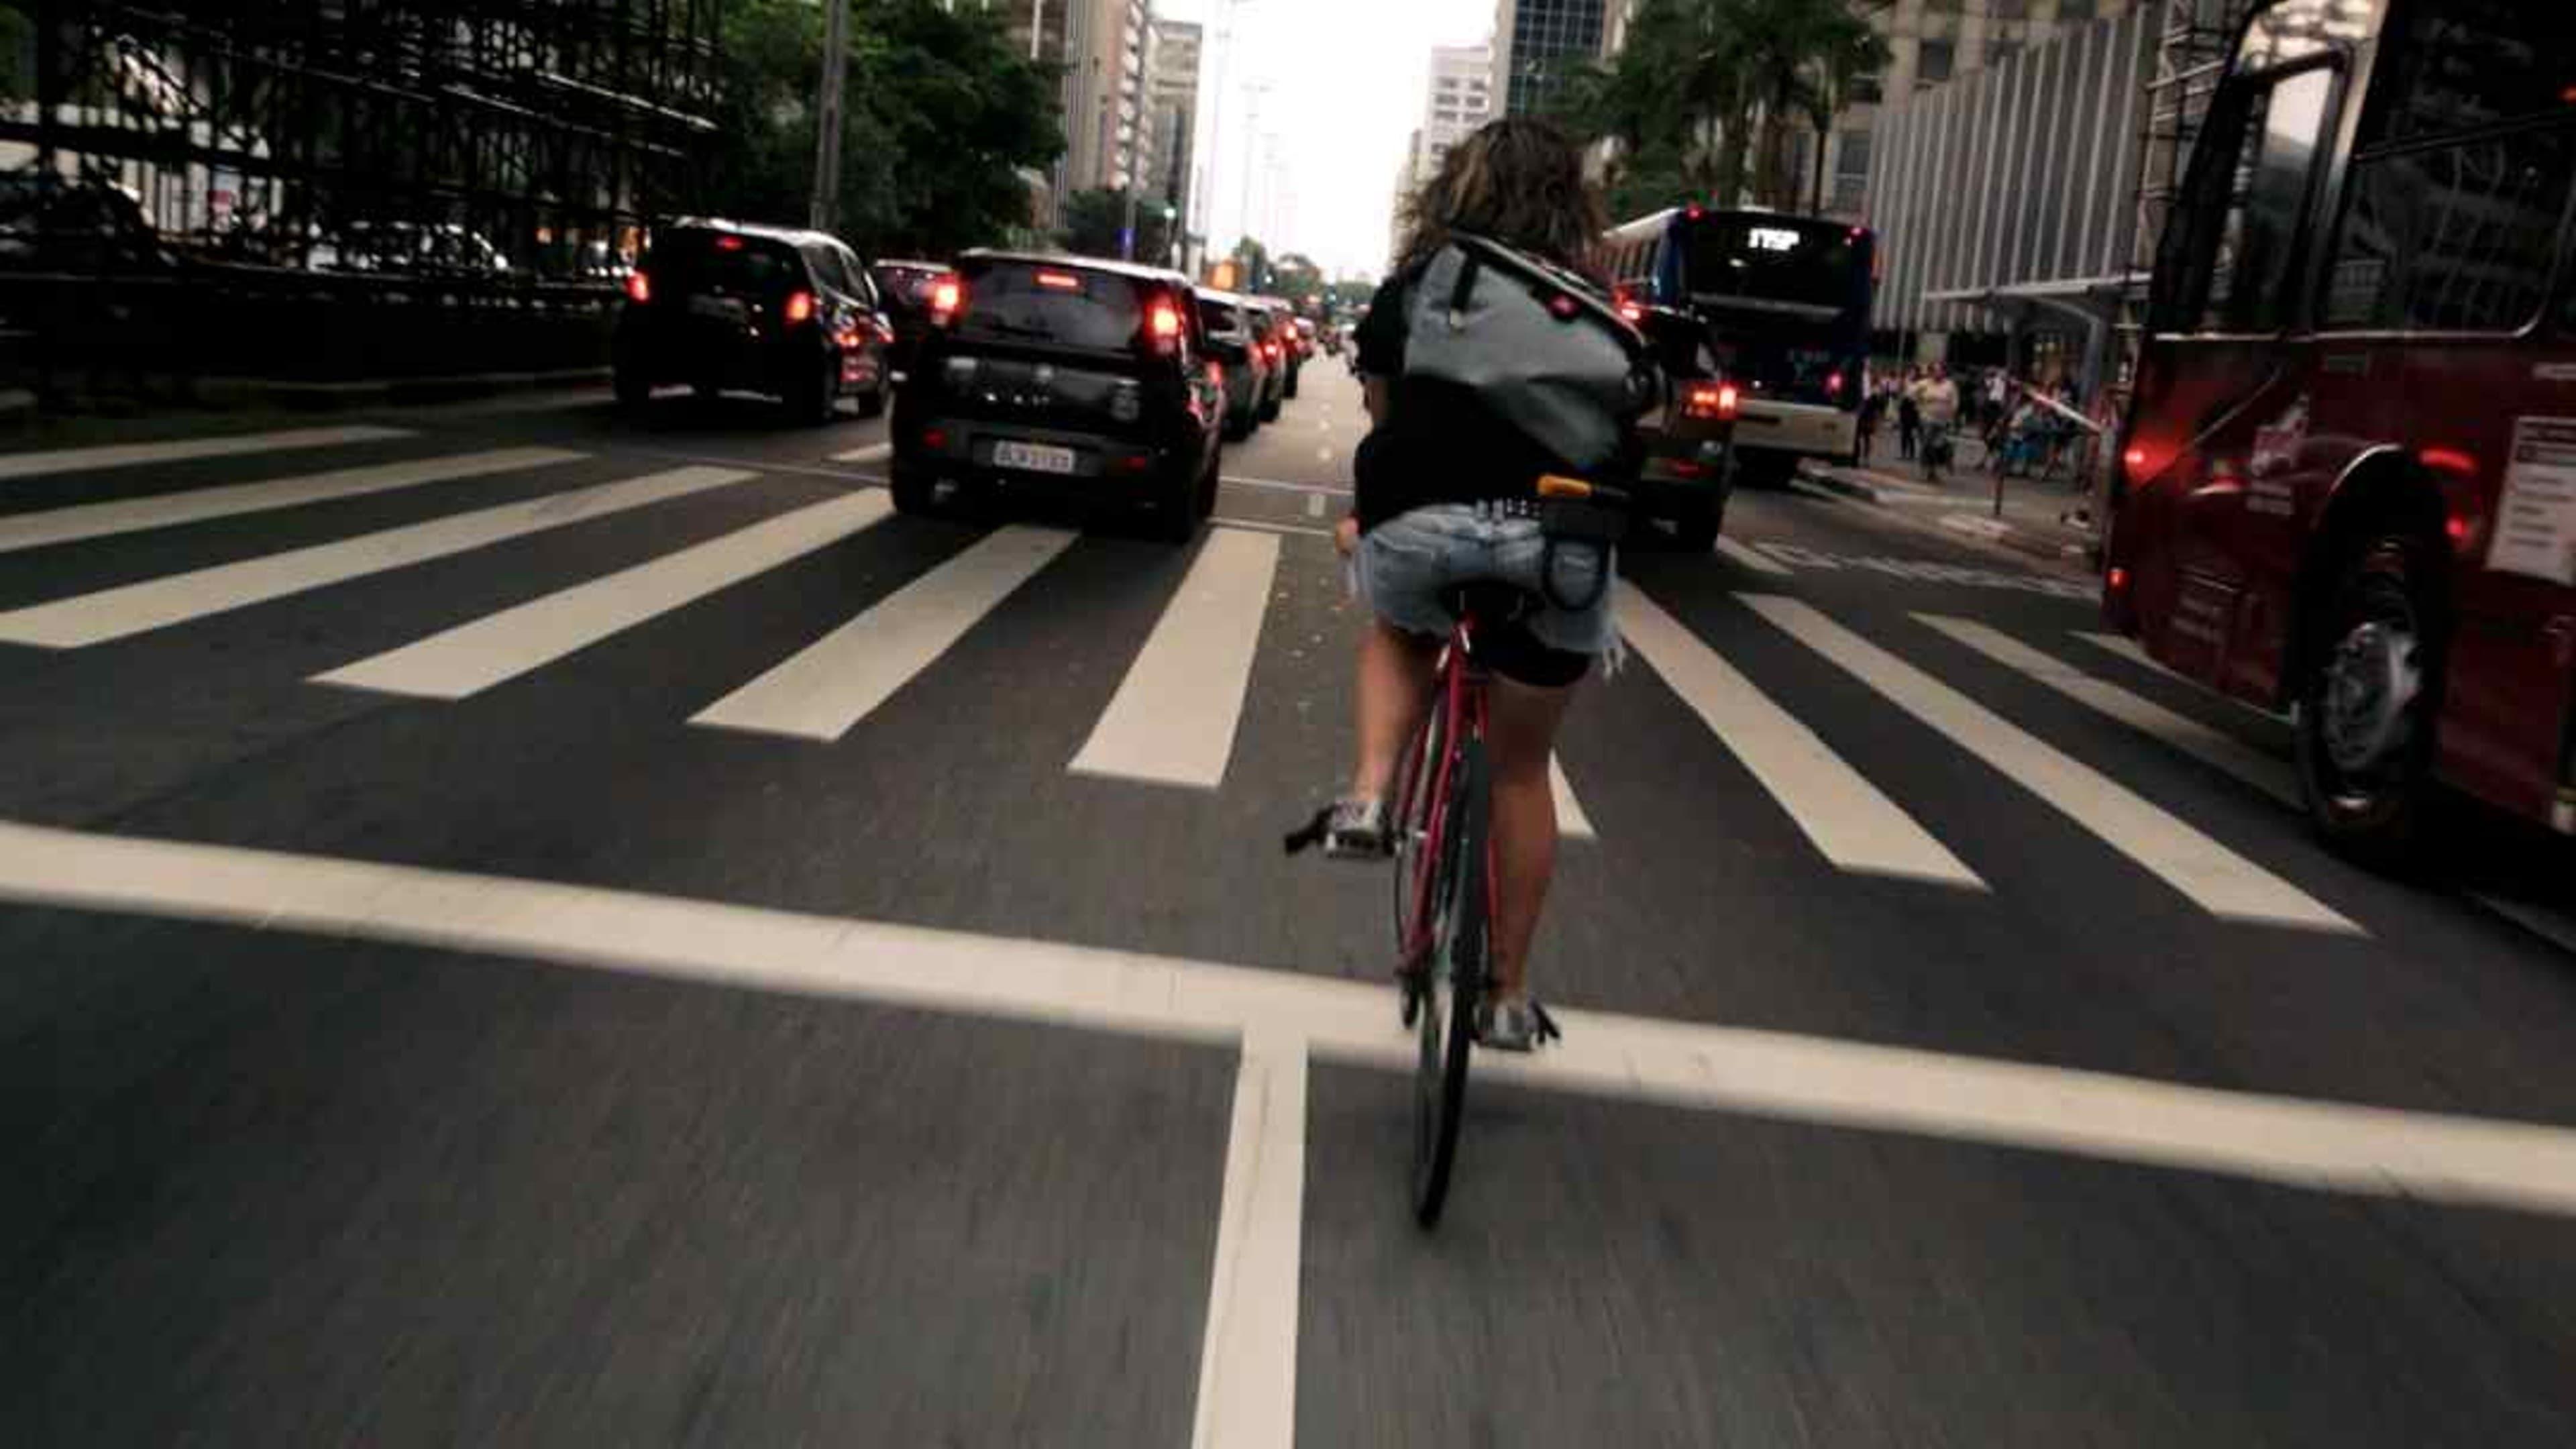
[{"x": 550, "y": 1064}]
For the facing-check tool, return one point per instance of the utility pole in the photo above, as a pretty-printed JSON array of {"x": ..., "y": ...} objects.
[{"x": 826, "y": 206}]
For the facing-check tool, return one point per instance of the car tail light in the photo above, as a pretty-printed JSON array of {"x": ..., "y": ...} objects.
[
  {"x": 799, "y": 308},
  {"x": 2119, "y": 579},
  {"x": 946, "y": 296},
  {"x": 1060, "y": 281},
  {"x": 934, "y": 438},
  {"x": 1163, "y": 326},
  {"x": 1710, "y": 400},
  {"x": 728, "y": 243},
  {"x": 638, "y": 288},
  {"x": 1631, "y": 313},
  {"x": 2134, "y": 460},
  {"x": 1133, "y": 462}
]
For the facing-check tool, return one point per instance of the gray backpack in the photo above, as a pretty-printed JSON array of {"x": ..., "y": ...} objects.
[{"x": 1540, "y": 349}]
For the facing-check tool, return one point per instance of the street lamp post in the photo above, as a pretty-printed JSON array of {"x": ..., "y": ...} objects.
[{"x": 825, "y": 205}]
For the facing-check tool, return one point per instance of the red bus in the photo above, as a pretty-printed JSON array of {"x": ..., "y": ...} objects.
[{"x": 2348, "y": 481}]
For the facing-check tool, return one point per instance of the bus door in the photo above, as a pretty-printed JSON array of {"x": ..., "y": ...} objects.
[{"x": 2240, "y": 382}]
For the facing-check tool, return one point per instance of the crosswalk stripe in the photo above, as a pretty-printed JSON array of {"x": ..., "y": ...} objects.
[
  {"x": 473, "y": 657},
  {"x": 2209, "y": 746},
  {"x": 1855, "y": 826},
  {"x": 1744, "y": 556},
  {"x": 872, "y": 453},
  {"x": 2124, "y": 646},
  {"x": 176, "y": 598},
  {"x": 2207, "y": 873},
  {"x": 176, "y": 450},
  {"x": 1173, "y": 718},
  {"x": 1571, "y": 822},
  {"x": 197, "y": 505},
  {"x": 832, "y": 684}
]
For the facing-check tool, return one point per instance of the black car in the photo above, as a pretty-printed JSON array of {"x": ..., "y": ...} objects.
[
  {"x": 1226, "y": 322},
  {"x": 723, "y": 306},
  {"x": 1064, "y": 377},
  {"x": 1689, "y": 461},
  {"x": 903, "y": 288}
]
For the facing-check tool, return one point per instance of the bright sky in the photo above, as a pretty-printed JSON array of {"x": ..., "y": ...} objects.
[{"x": 1345, "y": 86}]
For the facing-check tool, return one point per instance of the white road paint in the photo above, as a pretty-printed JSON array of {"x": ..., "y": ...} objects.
[
  {"x": 841, "y": 678},
  {"x": 1314, "y": 505},
  {"x": 1746, "y": 557},
  {"x": 2127, "y": 648},
  {"x": 180, "y": 450},
  {"x": 2328, "y": 1146},
  {"x": 1846, "y": 817},
  {"x": 2220, "y": 751},
  {"x": 1571, "y": 822},
  {"x": 1259, "y": 526},
  {"x": 198, "y": 505},
  {"x": 2207, "y": 873},
  {"x": 1248, "y": 1359},
  {"x": 1286, "y": 487},
  {"x": 1173, "y": 718},
  {"x": 473, "y": 657},
  {"x": 176, "y": 598},
  {"x": 872, "y": 453}
]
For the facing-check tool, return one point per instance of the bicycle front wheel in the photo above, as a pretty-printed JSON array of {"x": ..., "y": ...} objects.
[{"x": 1440, "y": 1069}]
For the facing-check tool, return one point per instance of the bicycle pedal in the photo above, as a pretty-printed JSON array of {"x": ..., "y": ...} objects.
[{"x": 1546, "y": 1024}]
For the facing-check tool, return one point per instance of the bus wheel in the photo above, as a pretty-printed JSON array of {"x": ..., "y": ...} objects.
[{"x": 2368, "y": 696}]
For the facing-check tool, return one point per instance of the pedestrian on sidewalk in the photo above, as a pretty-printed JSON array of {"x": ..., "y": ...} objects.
[
  {"x": 1873, "y": 406},
  {"x": 1940, "y": 405},
  {"x": 1909, "y": 413}
]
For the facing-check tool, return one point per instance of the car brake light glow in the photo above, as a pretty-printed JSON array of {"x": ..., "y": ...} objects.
[
  {"x": 728, "y": 243},
  {"x": 1709, "y": 400},
  {"x": 1833, "y": 384},
  {"x": 799, "y": 308},
  {"x": 946, "y": 296},
  {"x": 2119, "y": 578},
  {"x": 1163, "y": 323},
  {"x": 1060, "y": 281},
  {"x": 1727, "y": 400},
  {"x": 1631, "y": 312},
  {"x": 2448, "y": 460},
  {"x": 638, "y": 288},
  {"x": 2457, "y": 527}
]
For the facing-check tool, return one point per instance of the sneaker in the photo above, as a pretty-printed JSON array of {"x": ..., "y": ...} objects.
[
  {"x": 1512, "y": 1024},
  {"x": 1356, "y": 830}
]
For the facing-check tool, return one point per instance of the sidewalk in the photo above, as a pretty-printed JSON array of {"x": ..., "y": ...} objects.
[{"x": 2035, "y": 518}]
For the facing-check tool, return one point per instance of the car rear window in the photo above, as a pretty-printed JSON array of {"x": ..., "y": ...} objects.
[
  {"x": 907, "y": 286},
  {"x": 1217, "y": 316},
  {"x": 723, "y": 262},
  {"x": 1051, "y": 306}
]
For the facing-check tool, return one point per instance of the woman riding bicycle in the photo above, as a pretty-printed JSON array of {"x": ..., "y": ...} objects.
[{"x": 1439, "y": 484}]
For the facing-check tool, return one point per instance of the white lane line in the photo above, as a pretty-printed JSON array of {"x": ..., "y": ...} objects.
[
  {"x": 475, "y": 656},
  {"x": 2329, "y": 1146},
  {"x": 1314, "y": 505},
  {"x": 1173, "y": 718},
  {"x": 197, "y": 505},
  {"x": 842, "y": 677},
  {"x": 1747, "y": 557},
  {"x": 1846, "y": 817},
  {"x": 1248, "y": 1358},
  {"x": 2207, "y": 873},
  {"x": 176, "y": 450},
  {"x": 1287, "y": 487},
  {"x": 176, "y": 598},
  {"x": 2209, "y": 746},
  {"x": 1571, "y": 822},
  {"x": 1290, "y": 529},
  {"x": 872, "y": 453}
]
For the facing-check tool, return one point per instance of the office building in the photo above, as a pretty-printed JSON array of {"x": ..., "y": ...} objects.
[
  {"x": 1105, "y": 120},
  {"x": 1538, "y": 43},
  {"x": 1460, "y": 99},
  {"x": 1172, "y": 109}
]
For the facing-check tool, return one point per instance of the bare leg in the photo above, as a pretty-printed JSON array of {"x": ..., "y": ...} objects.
[
  {"x": 1394, "y": 690},
  {"x": 1521, "y": 728}
]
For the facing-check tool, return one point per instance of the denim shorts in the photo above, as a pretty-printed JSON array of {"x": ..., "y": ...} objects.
[{"x": 1406, "y": 563}]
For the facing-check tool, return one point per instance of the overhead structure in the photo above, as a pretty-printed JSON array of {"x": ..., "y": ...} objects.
[{"x": 548, "y": 129}]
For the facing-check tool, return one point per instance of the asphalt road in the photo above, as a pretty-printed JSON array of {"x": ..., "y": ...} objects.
[{"x": 629, "y": 943}]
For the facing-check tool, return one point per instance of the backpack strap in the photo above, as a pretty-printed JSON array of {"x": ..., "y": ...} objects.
[{"x": 1468, "y": 265}]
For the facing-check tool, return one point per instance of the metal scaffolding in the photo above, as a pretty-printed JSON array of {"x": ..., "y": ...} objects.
[
  {"x": 542, "y": 132},
  {"x": 2190, "y": 60}
]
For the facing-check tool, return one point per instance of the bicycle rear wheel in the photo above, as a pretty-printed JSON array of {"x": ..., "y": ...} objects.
[{"x": 1458, "y": 972}]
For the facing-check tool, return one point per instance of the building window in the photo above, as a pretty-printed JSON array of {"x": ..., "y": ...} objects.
[
  {"x": 1868, "y": 88},
  {"x": 1854, "y": 156},
  {"x": 1934, "y": 66}
]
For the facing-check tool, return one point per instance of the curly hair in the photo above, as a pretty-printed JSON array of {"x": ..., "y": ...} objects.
[{"x": 1518, "y": 180}]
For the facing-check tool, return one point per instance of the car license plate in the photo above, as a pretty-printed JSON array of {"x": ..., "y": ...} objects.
[{"x": 1033, "y": 457}]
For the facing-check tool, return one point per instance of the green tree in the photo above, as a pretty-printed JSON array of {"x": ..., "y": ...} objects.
[
  {"x": 1253, "y": 274},
  {"x": 946, "y": 122},
  {"x": 1094, "y": 219},
  {"x": 1297, "y": 278}
]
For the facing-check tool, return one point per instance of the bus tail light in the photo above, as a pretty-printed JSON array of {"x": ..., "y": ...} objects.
[{"x": 2119, "y": 579}]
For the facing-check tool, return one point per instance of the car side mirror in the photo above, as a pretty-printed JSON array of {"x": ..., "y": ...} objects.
[{"x": 1679, "y": 341}]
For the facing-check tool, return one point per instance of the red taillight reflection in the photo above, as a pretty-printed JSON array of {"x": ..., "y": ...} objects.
[
  {"x": 638, "y": 288},
  {"x": 728, "y": 243},
  {"x": 799, "y": 308}
]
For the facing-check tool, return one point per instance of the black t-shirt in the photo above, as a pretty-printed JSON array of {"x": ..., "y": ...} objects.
[{"x": 1439, "y": 442}]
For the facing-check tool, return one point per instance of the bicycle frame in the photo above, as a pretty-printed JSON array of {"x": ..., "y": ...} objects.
[{"x": 1460, "y": 707}]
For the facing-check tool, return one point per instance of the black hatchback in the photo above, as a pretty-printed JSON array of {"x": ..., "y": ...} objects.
[
  {"x": 1064, "y": 377},
  {"x": 722, "y": 306}
]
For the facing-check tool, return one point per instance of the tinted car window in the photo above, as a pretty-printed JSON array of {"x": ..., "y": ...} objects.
[
  {"x": 1219, "y": 318},
  {"x": 1054, "y": 306},
  {"x": 2452, "y": 238},
  {"x": 907, "y": 288},
  {"x": 704, "y": 262}
]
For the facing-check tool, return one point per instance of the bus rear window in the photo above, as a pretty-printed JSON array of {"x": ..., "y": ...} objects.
[
  {"x": 1777, "y": 260},
  {"x": 722, "y": 262},
  {"x": 1051, "y": 306}
]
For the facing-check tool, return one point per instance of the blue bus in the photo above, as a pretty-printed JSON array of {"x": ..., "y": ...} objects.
[{"x": 1786, "y": 301}]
